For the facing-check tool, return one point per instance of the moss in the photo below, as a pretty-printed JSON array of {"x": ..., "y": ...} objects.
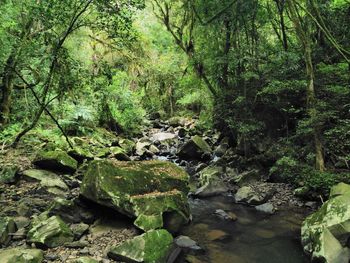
[
  {"x": 21, "y": 255},
  {"x": 56, "y": 161},
  {"x": 152, "y": 247},
  {"x": 149, "y": 222},
  {"x": 8, "y": 175},
  {"x": 52, "y": 232},
  {"x": 7, "y": 226},
  {"x": 201, "y": 143}
]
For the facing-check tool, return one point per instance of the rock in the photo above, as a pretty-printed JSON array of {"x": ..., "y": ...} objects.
[
  {"x": 145, "y": 190},
  {"x": 246, "y": 178},
  {"x": 302, "y": 192},
  {"x": 127, "y": 145},
  {"x": 163, "y": 136},
  {"x": 194, "y": 149},
  {"x": 152, "y": 247},
  {"x": 177, "y": 121},
  {"x": 81, "y": 153},
  {"x": 70, "y": 211},
  {"x": 142, "y": 147},
  {"x": 248, "y": 195},
  {"x": 21, "y": 255},
  {"x": 47, "y": 179},
  {"x": 119, "y": 154},
  {"x": 267, "y": 208},
  {"x": 223, "y": 215},
  {"x": 49, "y": 232},
  {"x": 79, "y": 230},
  {"x": 221, "y": 150},
  {"x": 8, "y": 175},
  {"x": 326, "y": 232},
  {"x": 83, "y": 260},
  {"x": 56, "y": 161},
  {"x": 188, "y": 245},
  {"x": 217, "y": 235},
  {"x": 210, "y": 182},
  {"x": 153, "y": 149},
  {"x": 7, "y": 226}
]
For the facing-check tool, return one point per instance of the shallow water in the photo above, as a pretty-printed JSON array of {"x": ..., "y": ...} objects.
[{"x": 254, "y": 237}]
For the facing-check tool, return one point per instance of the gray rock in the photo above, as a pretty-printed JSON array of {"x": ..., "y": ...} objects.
[
  {"x": 251, "y": 196},
  {"x": 47, "y": 179},
  {"x": 195, "y": 149},
  {"x": 21, "y": 255},
  {"x": 7, "y": 226},
  {"x": 225, "y": 216},
  {"x": 188, "y": 245},
  {"x": 267, "y": 208}
]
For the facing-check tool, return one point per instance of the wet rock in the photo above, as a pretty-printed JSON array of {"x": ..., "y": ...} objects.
[
  {"x": 217, "y": 235},
  {"x": 188, "y": 245},
  {"x": 56, "y": 161},
  {"x": 49, "y": 232},
  {"x": 325, "y": 233},
  {"x": 211, "y": 183},
  {"x": 163, "y": 136},
  {"x": 302, "y": 192},
  {"x": 152, "y": 247},
  {"x": 153, "y": 149},
  {"x": 251, "y": 196},
  {"x": 7, "y": 226},
  {"x": 195, "y": 148},
  {"x": 266, "y": 208},
  {"x": 21, "y": 255},
  {"x": 47, "y": 179},
  {"x": 9, "y": 175},
  {"x": 145, "y": 190},
  {"x": 225, "y": 216},
  {"x": 83, "y": 260},
  {"x": 142, "y": 146}
]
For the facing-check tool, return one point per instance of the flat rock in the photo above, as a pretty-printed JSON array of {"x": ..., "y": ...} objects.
[
  {"x": 21, "y": 255},
  {"x": 47, "y": 179},
  {"x": 267, "y": 208},
  {"x": 56, "y": 160}
]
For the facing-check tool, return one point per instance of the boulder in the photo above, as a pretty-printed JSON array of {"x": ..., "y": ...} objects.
[
  {"x": 142, "y": 147},
  {"x": 119, "y": 154},
  {"x": 246, "y": 178},
  {"x": 47, "y": 179},
  {"x": 8, "y": 174},
  {"x": 163, "y": 136},
  {"x": 188, "y": 245},
  {"x": 83, "y": 260},
  {"x": 7, "y": 226},
  {"x": 251, "y": 196},
  {"x": 211, "y": 183},
  {"x": 152, "y": 247},
  {"x": 196, "y": 148},
  {"x": 225, "y": 216},
  {"x": 326, "y": 232},
  {"x": 49, "y": 232},
  {"x": 151, "y": 191},
  {"x": 56, "y": 161},
  {"x": 21, "y": 255},
  {"x": 177, "y": 121},
  {"x": 127, "y": 145}
]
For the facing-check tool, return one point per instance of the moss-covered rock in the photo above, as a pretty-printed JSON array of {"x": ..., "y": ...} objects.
[
  {"x": 325, "y": 233},
  {"x": 194, "y": 148},
  {"x": 8, "y": 174},
  {"x": 339, "y": 189},
  {"x": 21, "y": 255},
  {"x": 7, "y": 226},
  {"x": 152, "y": 247},
  {"x": 119, "y": 154},
  {"x": 145, "y": 190},
  {"x": 83, "y": 260},
  {"x": 211, "y": 182},
  {"x": 56, "y": 161},
  {"x": 52, "y": 232},
  {"x": 46, "y": 178},
  {"x": 127, "y": 145}
]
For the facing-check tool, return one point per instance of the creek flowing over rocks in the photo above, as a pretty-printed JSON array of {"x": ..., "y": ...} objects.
[{"x": 172, "y": 195}]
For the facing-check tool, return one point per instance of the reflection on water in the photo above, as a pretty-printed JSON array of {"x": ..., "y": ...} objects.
[{"x": 253, "y": 238}]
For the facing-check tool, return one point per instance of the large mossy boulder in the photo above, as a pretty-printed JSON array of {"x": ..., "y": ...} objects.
[
  {"x": 195, "y": 148},
  {"x": 326, "y": 232},
  {"x": 149, "y": 191},
  {"x": 7, "y": 226},
  {"x": 56, "y": 160},
  {"x": 152, "y": 247},
  {"x": 49, "y": 232},
  {"x": 21, "y": 255}
]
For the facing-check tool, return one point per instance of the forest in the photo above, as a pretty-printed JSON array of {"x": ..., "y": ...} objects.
[{"x": 164, "y": 131}]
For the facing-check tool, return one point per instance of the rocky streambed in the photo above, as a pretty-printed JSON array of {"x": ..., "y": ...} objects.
[{"x": 171, "y": 195}]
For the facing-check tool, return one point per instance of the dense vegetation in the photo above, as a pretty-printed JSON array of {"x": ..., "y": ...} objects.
[{"x": 273, "y": 75}]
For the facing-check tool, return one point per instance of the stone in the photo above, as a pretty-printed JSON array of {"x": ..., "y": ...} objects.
[
  {"x": 177, "y": 121},
  {"x": 152, "y": 247},
  {"x": 266, "y": 208},
  {"x": 326, "y": 232},
  {"x": 79, "y": 230},
  {"x": 119, "y": 154},
  {"x": 146, "y": 190},
  {"x": 7, "y": 226},
  {"x": 246, "y": 178},
  {"x": 302, "y": 192},
  {"x": 225, "y": 216},
  {"x": 153, "y": 149},
  {"x": 47, "y": 179},
  {"x": 217, "y": 235},
  {"x": 49, "y": 232},
  {"x": 195, "y": 148},
  {"x": 188, "y": 245},
  {"x": 248, "y": 195},
  {"x": 81, "y": 153},
  {"x": 211, "y": 183},
  {"x": 8, "y": 175},
  {"x": 83, "y": 260},
  {"x": 56, "y": 161},
  {"x": 21, "y": 255},
  {"x": 163, "y": 136},
  {"x": 142, "y": 147},
  {"x": 127, "y": 145}
]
